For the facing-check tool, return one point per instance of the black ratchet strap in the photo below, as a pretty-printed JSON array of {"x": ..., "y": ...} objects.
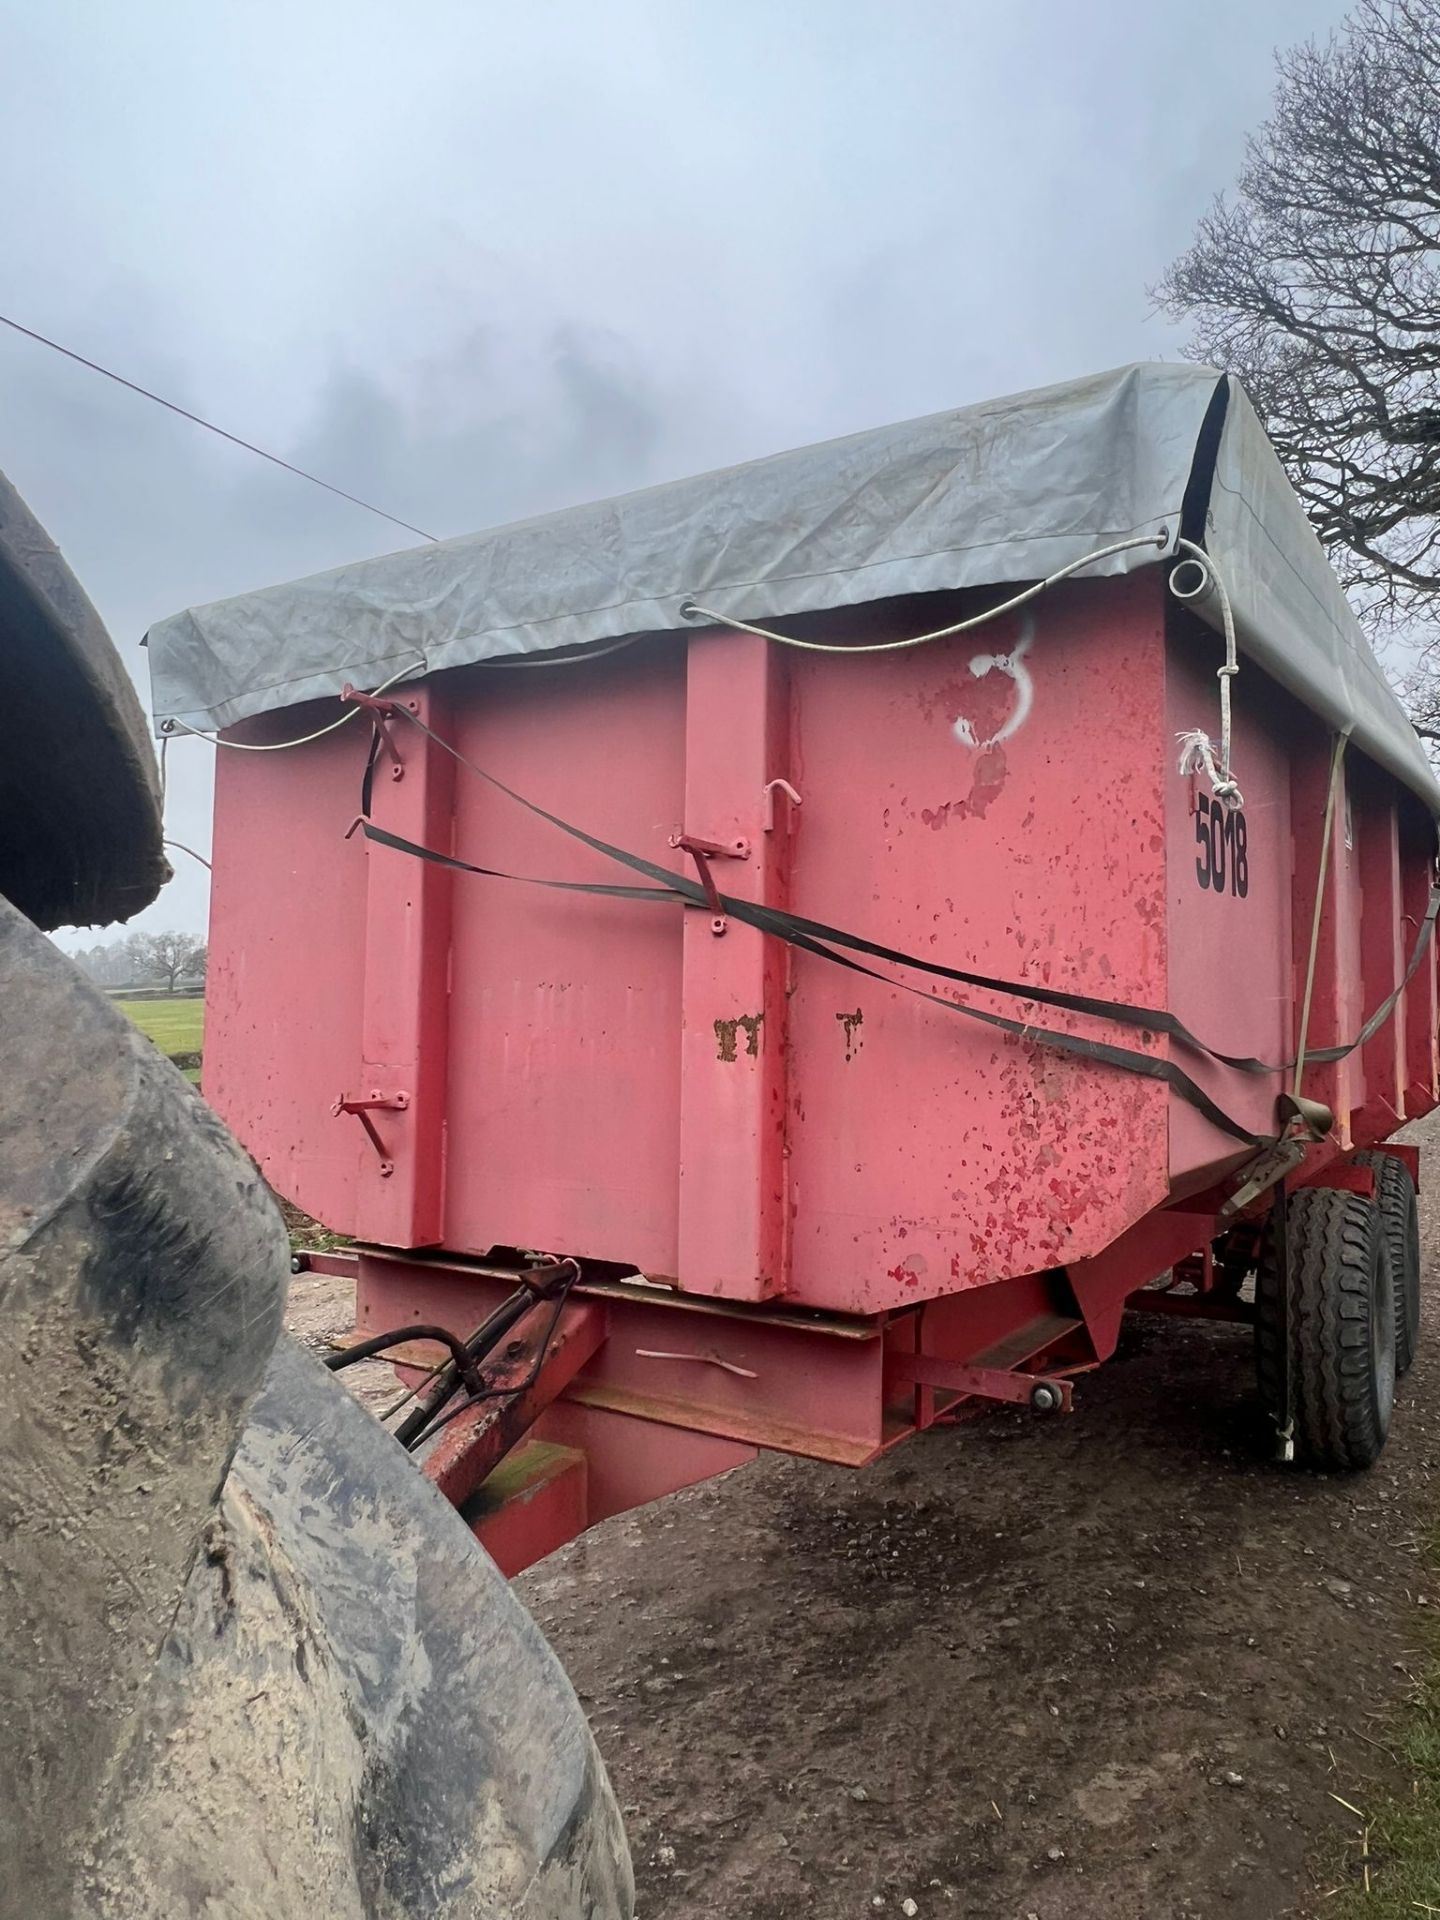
[
  {"x": 815, "y": 936},
  {"x": 1145, "y": 1019},
  {"x": 795, "y": 932}
]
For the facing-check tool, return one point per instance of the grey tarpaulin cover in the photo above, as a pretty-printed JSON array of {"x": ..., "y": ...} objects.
[{"x": 1005, "y": 491}]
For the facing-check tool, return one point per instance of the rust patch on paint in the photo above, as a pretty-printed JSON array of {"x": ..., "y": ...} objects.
[
  {"x": 989, "y": 780},
  {"x": 728, "y": 1032},
  {"x": 852, "y": 1023},
  {"x": 990, "y": 772}
]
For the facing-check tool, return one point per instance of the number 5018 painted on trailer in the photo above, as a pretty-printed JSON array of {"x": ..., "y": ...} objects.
[{"x": 1221, "y": 837}]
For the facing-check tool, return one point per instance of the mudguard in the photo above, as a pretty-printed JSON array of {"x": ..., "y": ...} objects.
[{"x": 294, "y": 1687}]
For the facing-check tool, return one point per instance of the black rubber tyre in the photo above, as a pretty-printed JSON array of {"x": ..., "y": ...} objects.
[
  {"x": 1400, "y": 1217},
  {"x": 1342, "y": 1329}
]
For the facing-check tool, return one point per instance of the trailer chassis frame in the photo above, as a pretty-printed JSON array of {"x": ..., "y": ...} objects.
[{"x": 637, "y": 1389}]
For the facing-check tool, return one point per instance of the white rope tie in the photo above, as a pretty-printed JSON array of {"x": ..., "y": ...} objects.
[
  {"x": 1197, "y": 755},
  {"x": 168, "y": 728},
  {"x": 1198, "y": 752},
  {"x": 692, "y": 610}
]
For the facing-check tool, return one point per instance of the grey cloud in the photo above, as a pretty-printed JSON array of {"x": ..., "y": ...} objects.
[
  {"x": 580, "y": 419},
  {"x": 526, "y": 258},
  {"x": 159, "y": 516}
]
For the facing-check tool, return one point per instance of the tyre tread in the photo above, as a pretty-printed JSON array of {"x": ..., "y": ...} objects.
[
  {"x": 1395, "y": 1197},
  {"x": 1337, "y": 1254}
]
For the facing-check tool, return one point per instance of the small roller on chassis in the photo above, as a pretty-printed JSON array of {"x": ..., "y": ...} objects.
[{"x": 255, "y": 1665}]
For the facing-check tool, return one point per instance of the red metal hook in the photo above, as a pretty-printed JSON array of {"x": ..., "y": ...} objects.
[{"x": 702, "y": 852}]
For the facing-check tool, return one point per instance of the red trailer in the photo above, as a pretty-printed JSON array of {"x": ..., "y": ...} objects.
[{"x": 801, "y": 951}]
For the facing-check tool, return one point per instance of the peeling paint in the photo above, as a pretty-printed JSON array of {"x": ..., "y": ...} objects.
[
  {"x": 727, "y": 1034},
  {"x": 1001, "y": 712},
  {"x": 990, "y": 774},
  {"x": 852, "y": 1023},
  {"x": 989, "y": 780}
]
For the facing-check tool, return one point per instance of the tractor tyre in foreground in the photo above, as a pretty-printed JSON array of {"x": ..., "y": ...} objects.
[{"x": 260, "y": 1667}]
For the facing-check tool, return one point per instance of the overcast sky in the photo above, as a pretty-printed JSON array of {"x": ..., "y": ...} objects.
[{"x": 475, "y": 261}]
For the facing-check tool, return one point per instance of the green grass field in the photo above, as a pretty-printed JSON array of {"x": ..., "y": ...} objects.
[{"x": 176, "y": 1026}]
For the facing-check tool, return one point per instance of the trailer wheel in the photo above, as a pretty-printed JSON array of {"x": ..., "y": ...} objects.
[
  {"x": 1400, "y": 1217},
  {"x": 1341, "y": 1329}
]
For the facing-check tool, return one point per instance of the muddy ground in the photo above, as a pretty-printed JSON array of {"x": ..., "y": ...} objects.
[{"x": 1111, "y": 1665}]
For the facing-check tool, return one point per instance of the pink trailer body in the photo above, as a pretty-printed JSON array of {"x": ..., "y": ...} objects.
[
  {"x": 816, "y": 1197},
  {"x": 612, "y": 1079}
]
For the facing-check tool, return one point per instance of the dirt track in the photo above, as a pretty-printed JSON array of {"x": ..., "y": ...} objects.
[{"x": 1112, "y": 1665}]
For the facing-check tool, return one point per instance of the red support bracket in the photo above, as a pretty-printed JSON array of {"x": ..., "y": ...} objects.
[
  {"x": 382, "y": 711},
  {"x": 362, "y": 1106},
  {"x": 1042, "y": 1392},
  {"x": 1342, "y": 1175},
  {"x": 1408, "y": 1156},
  {"x": 702, "y": 852},
  {"x": 1198, "y": 1270},
  {"x": 338, "y": 1261}
]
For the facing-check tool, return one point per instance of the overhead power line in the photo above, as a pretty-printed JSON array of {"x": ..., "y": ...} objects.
[{"x": 210, "y": 427}]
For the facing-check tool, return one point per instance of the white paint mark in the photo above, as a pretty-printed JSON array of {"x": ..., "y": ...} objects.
[
  {"x": 1013, "y": 665},
  {"x": 706, "y": 1359}
]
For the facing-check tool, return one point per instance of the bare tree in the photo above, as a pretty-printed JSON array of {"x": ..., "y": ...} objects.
[
  {"x": 110, "y": 963},
  {"x": 1318, "y": 283},
  {"x": 168, "y": 958}
]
